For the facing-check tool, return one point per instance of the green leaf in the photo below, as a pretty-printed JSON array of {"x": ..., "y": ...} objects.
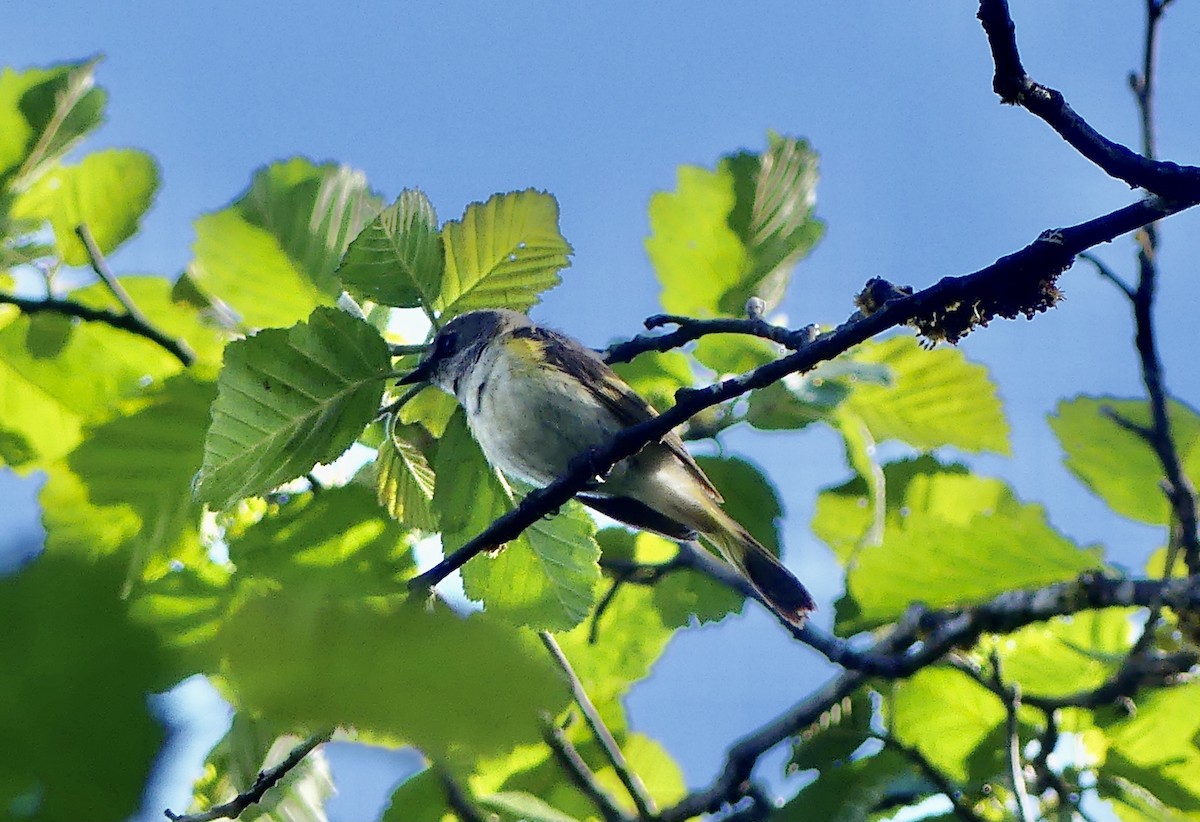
[
  {"x": 620, "y": 650},
  {"x": 405, "y": 479},
  {"x": 289, "y": 399},
  {"x": 397, "y": 259},
  {"x": 656, "y": 376},
  {"x": 547, "y": 577},
  {"x": 502, "y": 254},
  {"x": 1117, "y": 464},
  {"x": 175, "y": 317},
  {"x": 1156, "y": 746},
  {"x": 423, "y": 676},
  {"x": 420, "y": 798},
  {"x": 934, "y": 398},
  {"x": 145, "y": 461},
  {"x": 334, "y": 544},
  {"x": 850, "y": 792},
  {"x": 949, "y": 538},
  {"x": 48, "y": 335},
  {"x": 1067, "y": 655},
  {"x": 750, "y": 498},
  {"x": 46, "y": 402},
  {"x": 735, "y": 353},
  {"x": 109, "y": 191},
  {"x": 658, "y": 771},
  {"x": 73, "y": 714},
  {"x": 817, "y": 396},
  {"x": 432, "y": 408},
  {"x": 272, "y": 253},
  {"x": 945, "y": 715},
  {"x": 726, "y": 235},
  {"x": 776, "y": 192},
  {"x": 698, "y": 258},
  {"x": 43, "y": 112},
  {"x": 186, "y": 608}
]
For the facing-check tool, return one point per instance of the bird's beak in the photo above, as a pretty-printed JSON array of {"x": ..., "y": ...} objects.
[{"x": 421, "y": 373}]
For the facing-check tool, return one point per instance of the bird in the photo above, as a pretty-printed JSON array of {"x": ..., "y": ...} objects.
[{"x": 535, "y": 399}]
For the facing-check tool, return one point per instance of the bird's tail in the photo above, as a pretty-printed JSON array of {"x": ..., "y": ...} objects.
[{"x": 778, "y": 586}]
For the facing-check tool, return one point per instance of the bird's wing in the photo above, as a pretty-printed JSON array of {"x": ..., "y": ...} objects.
[{"x": 586, "y": 367}]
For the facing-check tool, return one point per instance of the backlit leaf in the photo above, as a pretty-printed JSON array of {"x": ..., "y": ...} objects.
[
  {"x": 503, "y": 253},
  {"x": 109, "y": 191},
  {"x": 320, "y": 663},
  {"x": 405, "y": 479},
  {"x": 933, "y": 398},
  {"x": 43, "y": 112},
  {"x": 945, "y": 715},
  {"x": 271, "y": 254},
  {"x": 949, "y": 538},
  {"x": 1117, "y": 464}
]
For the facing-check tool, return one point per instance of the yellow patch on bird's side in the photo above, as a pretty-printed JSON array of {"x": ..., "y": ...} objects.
[{"x": 531, "y": 353}]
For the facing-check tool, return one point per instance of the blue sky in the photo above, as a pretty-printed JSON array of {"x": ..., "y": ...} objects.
[{"x": 924, "y": 174}]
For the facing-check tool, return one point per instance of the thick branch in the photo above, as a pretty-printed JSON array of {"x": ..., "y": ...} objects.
[
  {"x": 266, "y": 780},
  {"x": 1044, "y": 257},
  {"x": 1016, "y": 87}
]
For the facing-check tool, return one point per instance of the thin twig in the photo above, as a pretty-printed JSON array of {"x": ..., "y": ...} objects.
[
  {"x": 1107, "y": 273},
  {"x": 731, "y": 783},
  {"x": 1010, "y": 695},
  {"x": 931, "y": 772},
  {"x": 266, "y": 780},
  {"x": 632, "y": 782},
  {"x": 1179, "y": 489},
  {"x": 121, "y": 321},
  {"x": 181, "y": 349},
  {"x": 690, "y": 329},
  {"x": 100, "y": 266},
  {"x": 579, "y": 773}
]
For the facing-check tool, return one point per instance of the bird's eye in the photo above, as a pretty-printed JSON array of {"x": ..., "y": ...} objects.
[{"x": 446, "y": 343}]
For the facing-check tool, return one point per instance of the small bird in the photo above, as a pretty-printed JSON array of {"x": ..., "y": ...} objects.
[{"x": 535, "y": 399}]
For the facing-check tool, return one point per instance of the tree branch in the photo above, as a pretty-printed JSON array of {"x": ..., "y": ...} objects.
[
  {"x": 632, "y": 782},
  {"x": 123, "y": 322},
  {"x": 178, "y": 347},
  {"x": 948, "y": 309},
  {"x": 689, "y": 330},
  {"x": 266, "y": 780},
  {"x": 1015, "y": 87}
]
